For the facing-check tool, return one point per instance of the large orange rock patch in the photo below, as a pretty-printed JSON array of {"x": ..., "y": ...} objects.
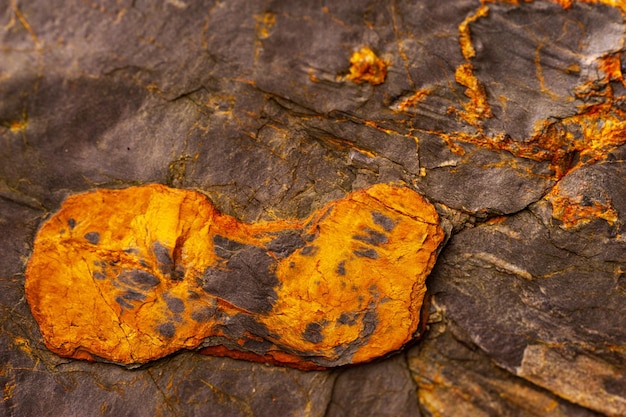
[{"x": 133, "y": 275}]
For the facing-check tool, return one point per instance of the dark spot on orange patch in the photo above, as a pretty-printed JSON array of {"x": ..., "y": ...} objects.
[
  {"x": 341, "y": 268},
  {"x": 383, "y": 221},
  {"x": 204, "y": 314},
  {"x": 123, "y": 303},
  {"x": 167, "y": 329},
  {"x": 246, "y": 279},
  {"x": 313, "y": 333},
  {"x": 286, "y": 244},
  {"x": 372, "y": 237},
  {"x": 143, "y": 279},
  {"x": 309, "y": 250},
  {"x": 366, "y": 253},
  {"x": 174, "y": 304},
  {"x": 93, "y": 237}
]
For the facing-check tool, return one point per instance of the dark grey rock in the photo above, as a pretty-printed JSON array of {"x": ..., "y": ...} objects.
[{"x": 248, "y": 103}]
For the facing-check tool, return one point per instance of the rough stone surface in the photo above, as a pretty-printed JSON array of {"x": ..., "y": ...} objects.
[
  {"x": 133, "y": 275},
  {"x": 508, "y": 115}
]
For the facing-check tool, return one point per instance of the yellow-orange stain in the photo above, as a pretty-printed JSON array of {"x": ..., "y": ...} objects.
[
  {"x": 567, "y": 4},
  {"x": 9, "y": 387},
  {"x": 465, "y": 38},
  {"x": 511, "y": 2},
  {"x": 573, "y": 211},
  {"x": 477, "y": 108},
  {"x": 97, "y": 284},
  {"x": 412, "y": 100},
  {"x": 264, "y": 24},
  {"x": 366, "y": 66},
  {"x": 618, "y": 4},
  {"x": 23, "y": 345},
  {"x": 539, "y": 74},
  {"x": 20, "y": 16},
  {"x": 18, "y": 125},
  {"x": 601, "y": 127},
  {"x": 611, "y": 66}
]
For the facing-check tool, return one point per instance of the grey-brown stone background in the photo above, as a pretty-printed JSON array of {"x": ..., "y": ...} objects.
[{"x": 248, "y": 102}]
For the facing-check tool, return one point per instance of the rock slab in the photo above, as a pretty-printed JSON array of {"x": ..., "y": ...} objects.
[{"x": 132, "y": 275}]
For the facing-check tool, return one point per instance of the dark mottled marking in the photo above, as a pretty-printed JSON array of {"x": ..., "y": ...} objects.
[
  {"x": 341, "y": 268},
  {"x": 246, "y": 280},
  {"x": 162, "y": 253},
  {"x": 203, "y": 314},
  {"x": 615, "y": 385},
  {"x": 260, "y": 347},
  {"x": 175, "y": 304},
  {"x": 286, "y": 244},
  {"x": 131, "y": 250},
  {"x": 310, "y": 237},
  {"x": 71, "y": 223},
  {"x": 226, "y": 248},
  {"x": 372, "y": 237},
  {"x": 123, "y": 303},
  {"x": 383, "y": 221},
  {"x": 93, "y": 237},
  {"x": 326, "y": 214},
  {"x": 99, "y": 275},
  {"x": 369, "y": 323},
  {"x": 143, "y": 279},
  {"x": 339, "y": 350},
  {"x": 164, "y": 259},
  {"x": 349, "y": 319},
  {"x": 179, "y": 273},
  {"x": 313, "y": 333},
  {"x": 366, "y": 253},
  {"x": 239, "y": 324},
  {"x": 309, "y": 250},
  {"x": 167, "y": 329},
  {"x": 133, "y": 296}
]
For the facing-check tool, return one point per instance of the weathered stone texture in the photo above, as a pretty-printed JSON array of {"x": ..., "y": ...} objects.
[
  {"x": 133, "y": 275},
  {"x": 508, "y": 116}
]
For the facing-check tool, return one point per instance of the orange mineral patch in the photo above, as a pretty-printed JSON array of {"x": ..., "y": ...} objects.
[
  {"x": 576, "y": 210},
  {"x": 366, "y": 66},
  {"x": 132, "y": 275}
]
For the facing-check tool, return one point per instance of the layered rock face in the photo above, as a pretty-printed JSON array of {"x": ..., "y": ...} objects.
[{"x": 164, "y": 164}]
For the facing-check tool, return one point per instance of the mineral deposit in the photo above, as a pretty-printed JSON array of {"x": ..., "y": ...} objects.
[{"x": 133, "y": 275}]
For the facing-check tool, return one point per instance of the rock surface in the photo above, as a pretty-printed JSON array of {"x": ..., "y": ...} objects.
[
  {"x": 509, "y": 116},
  {"x": 132, "y": 275}
]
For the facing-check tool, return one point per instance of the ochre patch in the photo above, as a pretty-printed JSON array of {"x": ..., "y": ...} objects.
[
  {"x": 133, "y": 275},
  {"x": 366, "y": 66}
]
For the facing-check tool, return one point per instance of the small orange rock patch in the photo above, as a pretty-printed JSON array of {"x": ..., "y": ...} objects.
[
  {"x": 133, "y": 275},
  {"x": 366, "y": 66}
]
